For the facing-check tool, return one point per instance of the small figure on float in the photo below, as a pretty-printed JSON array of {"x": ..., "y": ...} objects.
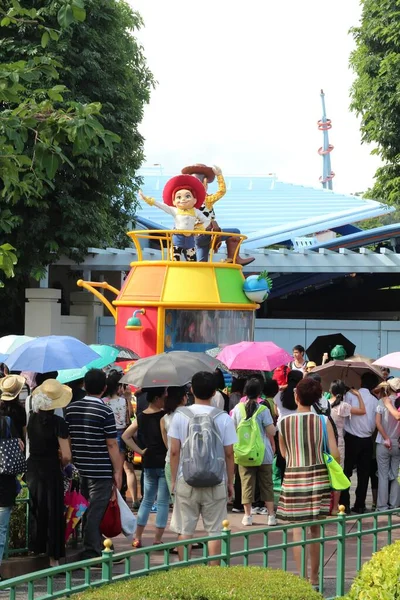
[
  {"x": 207, "y": 175},
  {"x": 182, "y": 195}
]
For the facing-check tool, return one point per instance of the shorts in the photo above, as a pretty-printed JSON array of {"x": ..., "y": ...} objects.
[
  {"x": 248, "y": 478},
  {"x": 183, "y": 241},
  {"x": 190, "y": 503},
  {"x": 121, "y": 443}
]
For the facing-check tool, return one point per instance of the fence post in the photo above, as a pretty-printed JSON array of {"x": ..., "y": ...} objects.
[
  {"x": 226, "y": 544},
  {"x": 106, "y": 565},
  {"x": 341, "y": 552}
]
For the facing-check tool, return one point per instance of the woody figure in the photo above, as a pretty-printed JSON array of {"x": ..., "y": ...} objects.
[{"x": 207, "y": 175}]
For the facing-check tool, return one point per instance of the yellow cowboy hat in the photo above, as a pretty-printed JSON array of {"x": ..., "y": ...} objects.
[{"x": 56, "y": 393}]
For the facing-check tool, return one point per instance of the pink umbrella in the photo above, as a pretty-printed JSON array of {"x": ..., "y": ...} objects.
[
  {"x": 389, "y": 360},
  {"x": 252, "y": 356}
]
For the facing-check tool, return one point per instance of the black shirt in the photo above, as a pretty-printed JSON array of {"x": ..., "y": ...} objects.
[
  {"x": 17, "y": 414},
  {"x": 149, "y": 433},
  {"x": 44, "y": 429},
  {"x": 8, "y": 483}
]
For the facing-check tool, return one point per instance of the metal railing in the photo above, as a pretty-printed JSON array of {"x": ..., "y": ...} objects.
[
  {"x": 164, "y": 238},
  {"x": 76, "y": 577}
]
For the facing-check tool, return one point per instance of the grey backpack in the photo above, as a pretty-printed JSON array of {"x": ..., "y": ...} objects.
[{"x": 202, "y": 454}]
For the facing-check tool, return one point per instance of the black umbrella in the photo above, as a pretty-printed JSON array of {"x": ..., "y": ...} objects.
[
  {"x": 124, "y": 353},
  {"x": 326, "y": 343}
]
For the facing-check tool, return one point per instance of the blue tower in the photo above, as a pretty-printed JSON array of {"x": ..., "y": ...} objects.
[{"x": 325, "y": 125}]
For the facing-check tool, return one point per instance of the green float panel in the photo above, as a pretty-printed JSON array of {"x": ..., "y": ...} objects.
[{"x": 230, "y": 286}]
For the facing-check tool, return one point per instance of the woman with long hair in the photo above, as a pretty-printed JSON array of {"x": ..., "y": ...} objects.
[
  {"x": 49, "y": 452},
  {"x": 147, "y": 429},
  {"x": 262, "y": 474},
  {"x": 114, "y": 397},
  {"x": 284, "y": 400},
  {"x": 306, "y": 490},
  {"x": 177, "y": 396}
]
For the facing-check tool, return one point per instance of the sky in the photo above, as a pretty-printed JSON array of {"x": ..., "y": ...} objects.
[{"x": 239, "y": 86}]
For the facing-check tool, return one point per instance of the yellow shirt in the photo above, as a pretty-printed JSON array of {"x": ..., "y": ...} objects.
[{"x": 207, "y": 208}]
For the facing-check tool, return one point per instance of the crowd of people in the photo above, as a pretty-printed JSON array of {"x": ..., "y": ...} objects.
[{"x": 279, "y": 423}]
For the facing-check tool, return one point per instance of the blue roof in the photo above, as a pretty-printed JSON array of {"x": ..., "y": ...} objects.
[{"x": 270, "y": 211}]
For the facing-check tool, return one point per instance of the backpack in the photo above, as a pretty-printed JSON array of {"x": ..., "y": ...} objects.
[
  {"x": 281, "y": 375},
  {"x": 203, "y": 453},
  {"x": 249, "y": 450}
]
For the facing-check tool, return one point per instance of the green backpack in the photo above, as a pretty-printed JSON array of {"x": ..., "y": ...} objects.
[{"x": 249, "y": 449}]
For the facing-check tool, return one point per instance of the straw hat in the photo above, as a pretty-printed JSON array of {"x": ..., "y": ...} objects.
[
  {"x": 52, "y": 391},
  {"x": 393, "y": 383},
  {"x": 11, "y": 386},
  {"x": 311, "y": 365}
]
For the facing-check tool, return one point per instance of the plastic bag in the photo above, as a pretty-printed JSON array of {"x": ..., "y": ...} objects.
[
  {"x": 110, "y": 525},
  {"x": 128, "y": 519}
]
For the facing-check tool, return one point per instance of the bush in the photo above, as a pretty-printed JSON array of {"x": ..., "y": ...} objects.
[
  {"x": 209, "y": 583},
  {"x": 379, "y": 579},
  {"x": 17, "y": 532}
]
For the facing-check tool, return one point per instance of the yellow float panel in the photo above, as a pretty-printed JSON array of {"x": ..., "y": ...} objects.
[{"x": 191, "y": 285}]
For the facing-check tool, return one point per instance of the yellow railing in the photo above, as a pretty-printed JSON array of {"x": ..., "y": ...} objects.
[
  {"x": 164, "y": 237},
  {"x": 91, "y": 286}
]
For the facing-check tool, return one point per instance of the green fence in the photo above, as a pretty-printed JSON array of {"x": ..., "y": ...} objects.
[{"x": 236, "y": 548}]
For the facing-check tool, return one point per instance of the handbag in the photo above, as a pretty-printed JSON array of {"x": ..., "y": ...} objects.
[
  {"x": 338, "y": 479},
  {"x": 128, "y": 519},
  {"x": 110, "y": 525},
  {"x": 12, "y": 459},
  {"x": 75, "y": 506}
]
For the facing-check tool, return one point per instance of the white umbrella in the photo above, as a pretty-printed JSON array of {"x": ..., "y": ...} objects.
[
  {"x": 9, "y": 343},
  {"x": 389, "y": 360}
]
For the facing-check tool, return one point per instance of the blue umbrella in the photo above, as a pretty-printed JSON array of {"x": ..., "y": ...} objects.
[{"x": 51, "y": 353}]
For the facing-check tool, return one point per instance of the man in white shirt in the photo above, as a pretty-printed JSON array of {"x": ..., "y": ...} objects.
[
  {"x": 359, "y": 442},
  {"x": 209, "y": 502}
]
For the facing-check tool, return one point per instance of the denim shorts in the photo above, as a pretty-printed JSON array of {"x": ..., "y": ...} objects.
[{"x": 121, "y": 443}]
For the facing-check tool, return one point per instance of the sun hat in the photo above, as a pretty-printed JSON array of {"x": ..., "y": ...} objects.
[
  {"x": 311, "y": 365},
  {"x": 11, "y": 386},
  {"x": 393, "y": 383},
  {"x": 200, "y": 169},
  {"x": 184, "y": 182},
  {"x": 51, "y": 395}
]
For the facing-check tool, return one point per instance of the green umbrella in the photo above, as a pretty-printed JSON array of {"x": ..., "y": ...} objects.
[
  {"x": 68, "y": 375},
  {"x": 108, "y": 355}
]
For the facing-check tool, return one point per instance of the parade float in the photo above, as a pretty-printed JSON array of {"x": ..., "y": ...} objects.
[{"x": 168, "y": 304}]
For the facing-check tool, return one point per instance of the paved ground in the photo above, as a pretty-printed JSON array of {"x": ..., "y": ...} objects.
[
  {"x": 257, "y": 541},
  {"x": 121, "y": 544}
]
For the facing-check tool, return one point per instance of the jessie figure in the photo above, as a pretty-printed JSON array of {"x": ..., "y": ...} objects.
[
  {"x": 182, "y": 195},
  {"x": 207, "y": 175}
]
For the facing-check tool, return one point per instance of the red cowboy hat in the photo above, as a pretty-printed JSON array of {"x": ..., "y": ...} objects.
[{"x": 184, "y": 182}]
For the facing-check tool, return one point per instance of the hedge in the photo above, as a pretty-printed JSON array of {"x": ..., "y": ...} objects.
[
  {"x": 379, "y": 578},
  {"x": 209, "y": 583}
]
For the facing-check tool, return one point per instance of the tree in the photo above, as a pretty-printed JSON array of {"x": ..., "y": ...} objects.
[
  {"x": 375, "y": 94},
  {"x": 84, "y": 193}
]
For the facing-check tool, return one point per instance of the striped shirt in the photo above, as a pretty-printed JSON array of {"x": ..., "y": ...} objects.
[{"x": 90, "y": 424}]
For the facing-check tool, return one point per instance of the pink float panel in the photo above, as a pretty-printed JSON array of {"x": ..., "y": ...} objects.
[{"x": 142, "y": 341}]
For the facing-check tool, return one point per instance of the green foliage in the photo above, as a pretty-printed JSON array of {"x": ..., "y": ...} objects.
[
  {"x": 17, "y": 532},
  {"x": 210, "y": 583},
  {"x": 375, "y": 92},
  {"x": 379, "y": 579},
  {"x": 73, "y": 83}
]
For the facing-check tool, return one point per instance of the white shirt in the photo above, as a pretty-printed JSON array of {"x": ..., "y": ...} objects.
[
  {"x": 167, "y": 424},
  {"x": 120, "y": 410},
  {"x": 282, "y": 412},
  {"x": 362, "y": 426},
  {"x": 179, "y": 427},
  {"x": 389, "y": 423},
  {"x": 218, "y": 400},
  {"x": 184, "y": 219}
]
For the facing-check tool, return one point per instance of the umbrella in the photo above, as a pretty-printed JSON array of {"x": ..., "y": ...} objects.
[
  {"x": 107, "y": 355},
  {"x": 51, "y": 353},
  {"x": 124, "y": 353},
  {"x": 360, "y": 358},
  {"x": 168, "y": 369},
  {"x": 389, "y": 360},
  {"x": 326, "y": 343},
  {"x": 349, "y": 372},
  {"x": 68, "y": 375},
  {"x": 253, "y": 356},
  {"x": 9, "y": 343}
]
